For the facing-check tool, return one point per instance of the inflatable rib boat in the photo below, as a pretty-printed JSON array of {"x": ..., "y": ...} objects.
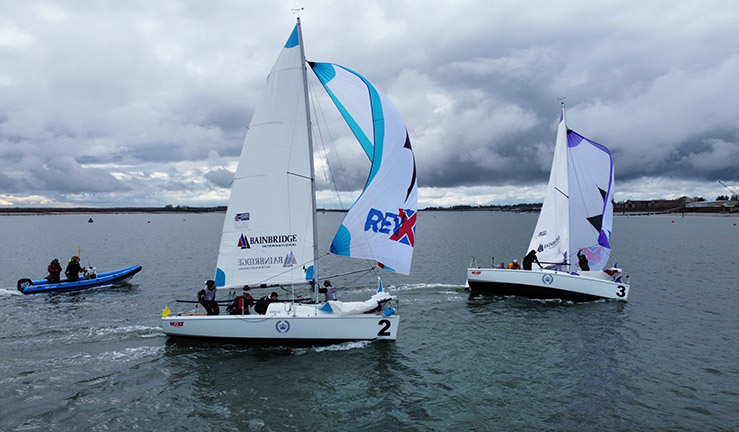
[{"x": 28, "y": 286}]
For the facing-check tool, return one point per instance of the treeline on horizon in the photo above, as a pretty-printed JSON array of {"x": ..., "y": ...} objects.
[
  {"x": 169, "y": 208},
  {"x": 166, "y": 209},
  {"x": 215, "y": 209}
]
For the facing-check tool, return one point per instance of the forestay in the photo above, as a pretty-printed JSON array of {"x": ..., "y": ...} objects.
[{"x": 381, "y": 224}]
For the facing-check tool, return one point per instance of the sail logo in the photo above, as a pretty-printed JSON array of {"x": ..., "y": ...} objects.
[
  {"x": 241, "y": 220},
  {"x": 259, "y": 262},
  {"x": 290, "y": 260},
  {"x": 542, "y": 233},
  {"x": 549, "y": 245},
  {"x": 274, "y": 240},
  {"x": 243, "y": 242},
  {"x": 401, "y": 226}
]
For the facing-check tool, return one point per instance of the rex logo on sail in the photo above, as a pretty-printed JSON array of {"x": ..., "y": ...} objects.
[{"x": 402, "y": 225}]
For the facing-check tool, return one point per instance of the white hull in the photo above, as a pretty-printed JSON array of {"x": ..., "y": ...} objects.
[
  {"x": 285, "y": 323},
  {"x": 547, "y": 284}
]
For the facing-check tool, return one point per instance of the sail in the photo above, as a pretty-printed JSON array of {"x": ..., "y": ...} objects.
[
  {"x": 381, "y": 224},
  {"x": 268, "y": 231},
  {"x": 577, "y": 214},
  {"x": 591, "y": 199},
  {"x": 551, "y": 236}
]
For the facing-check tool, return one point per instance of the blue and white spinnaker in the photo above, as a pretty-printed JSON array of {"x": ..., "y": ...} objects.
[{"x": 381, "y": 224}]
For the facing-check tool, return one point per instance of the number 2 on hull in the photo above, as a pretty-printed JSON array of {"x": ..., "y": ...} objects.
[{"x": 386, "y": 325}]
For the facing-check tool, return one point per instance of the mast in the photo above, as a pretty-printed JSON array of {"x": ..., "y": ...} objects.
[{"x": 314, "y": 281}]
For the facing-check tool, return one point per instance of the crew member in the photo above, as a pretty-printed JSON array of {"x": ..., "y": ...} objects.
[
  {"x": 55, "y": 270},
  {"x": 328, "y": 290},
  {"x": 514, "y": 265},
  {"x": 207, "y": 298},
  {"x": 529, "y": 259},
  {"x": 73, "y": 269}
]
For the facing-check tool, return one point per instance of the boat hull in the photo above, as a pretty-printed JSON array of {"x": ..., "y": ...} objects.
[
  {"x": 284, "y": 324},
  {"x": 27, "y": 286},
  {"x": 545, "y": 284}
]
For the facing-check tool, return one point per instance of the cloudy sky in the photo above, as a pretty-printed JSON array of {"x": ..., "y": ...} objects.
[{"x": 146, "y": 103}]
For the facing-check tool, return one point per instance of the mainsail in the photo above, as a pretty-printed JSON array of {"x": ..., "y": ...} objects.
[
  {"x": 268, "y": 231},
  {"x": 381, "y": 224},
  {"x": 577, "y": 214}
]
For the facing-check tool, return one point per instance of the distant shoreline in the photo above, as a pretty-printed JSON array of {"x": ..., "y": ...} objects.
[
  {"x": 515, "y": 208},
  {"x": 110, "y": 210}
]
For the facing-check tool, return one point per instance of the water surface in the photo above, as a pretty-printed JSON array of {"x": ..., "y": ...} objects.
[{"x": 97, "y": 360}]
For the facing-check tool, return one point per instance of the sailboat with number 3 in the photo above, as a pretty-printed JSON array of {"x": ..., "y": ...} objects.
[
  {"x": 269, "y": 234},
  {"x": 576, "y": 220}
]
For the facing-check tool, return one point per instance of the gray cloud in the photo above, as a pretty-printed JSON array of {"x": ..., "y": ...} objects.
[
  {"x": 136, "y": 102},
  {"x": 220, "y": 177}
]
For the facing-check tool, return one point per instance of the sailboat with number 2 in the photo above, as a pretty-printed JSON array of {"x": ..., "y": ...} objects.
[{"x": 269, "y": 235}]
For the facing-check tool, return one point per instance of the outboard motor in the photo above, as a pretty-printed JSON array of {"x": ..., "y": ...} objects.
[{"x": 23, "y": 284}]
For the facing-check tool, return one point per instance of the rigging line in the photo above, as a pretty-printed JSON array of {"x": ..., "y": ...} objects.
[
  {"x": 351, "y": 282},
  {"x": 328, "y": 172},
  {"x": 349, "y": 273}
]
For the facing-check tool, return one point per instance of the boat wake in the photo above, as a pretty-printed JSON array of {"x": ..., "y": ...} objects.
[
  {"x": 129, "y": 354},
  {"x": 9, "y": 292},
  {"x": 135, "y": 330},
  {"x": 345, "y": 346}
]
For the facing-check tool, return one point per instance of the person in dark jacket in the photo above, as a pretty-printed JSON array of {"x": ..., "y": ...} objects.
[
  {"x": 529, "y": 259},
  {"x": 263, "y": 303},
  {"x": 73, "y": 269},
  {"x": 583, "y": 261},
  {"x": 55, "y": 271}
]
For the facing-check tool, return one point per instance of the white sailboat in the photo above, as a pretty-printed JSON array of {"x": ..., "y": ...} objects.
[
  {"x": 576, "y": 217},
  {"x": 269, "y": 234}
]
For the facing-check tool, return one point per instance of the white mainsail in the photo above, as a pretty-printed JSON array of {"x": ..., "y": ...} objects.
[
  {"x": 268, "y": 233},
  {"x": 381, "y": 224},
  {"x": 577, "y": 213}
]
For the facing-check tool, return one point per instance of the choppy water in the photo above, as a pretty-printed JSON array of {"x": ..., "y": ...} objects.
[{"x": 96, "y": 360}]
